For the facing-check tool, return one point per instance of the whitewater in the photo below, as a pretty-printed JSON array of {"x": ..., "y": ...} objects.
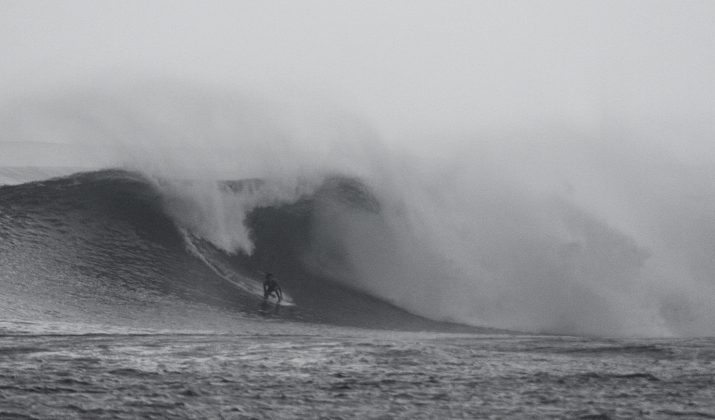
[{"x": 521, "y": 272}]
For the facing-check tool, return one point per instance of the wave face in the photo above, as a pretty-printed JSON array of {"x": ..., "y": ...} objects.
[{"x": 112, "y": 246}]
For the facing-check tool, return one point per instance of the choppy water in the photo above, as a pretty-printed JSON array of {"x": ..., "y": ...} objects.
[{"x": 299, "y": 371}]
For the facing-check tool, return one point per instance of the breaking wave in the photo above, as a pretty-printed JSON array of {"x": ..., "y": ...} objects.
[
  {"x": 548, "y": 231},
  {"x": 107, "y": 241}
]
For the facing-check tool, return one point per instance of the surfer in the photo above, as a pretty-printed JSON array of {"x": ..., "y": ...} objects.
[{"x": 271, "y": 287}]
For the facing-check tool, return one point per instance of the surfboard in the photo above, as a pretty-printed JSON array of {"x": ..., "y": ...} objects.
[{"x": 274, "y": 301}]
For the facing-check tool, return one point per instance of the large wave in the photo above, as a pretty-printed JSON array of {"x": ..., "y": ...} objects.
[
  {"x": 115, "y": 246},
  {"x": 557, "y": 230}
]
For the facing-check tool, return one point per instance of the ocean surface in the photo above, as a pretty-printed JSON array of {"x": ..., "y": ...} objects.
[{"x": 121, "y": 300}]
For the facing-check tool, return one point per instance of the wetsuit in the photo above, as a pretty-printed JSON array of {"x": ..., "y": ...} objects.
[{"x": 271, "y": 287}]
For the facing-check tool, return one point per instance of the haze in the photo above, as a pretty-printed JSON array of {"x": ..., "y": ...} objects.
[{"x": 406, "y": 66}]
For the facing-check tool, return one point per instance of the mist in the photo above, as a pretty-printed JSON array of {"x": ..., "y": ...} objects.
[
  {"x": 406, "y": 66},
  {"x": 542, "y": 166}
]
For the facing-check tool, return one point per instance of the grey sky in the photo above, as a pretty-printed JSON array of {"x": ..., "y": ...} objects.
[{"x": 406, "y": 65}]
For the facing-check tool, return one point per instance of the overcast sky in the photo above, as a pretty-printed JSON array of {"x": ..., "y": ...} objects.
[{"x": 405, "y": 65}]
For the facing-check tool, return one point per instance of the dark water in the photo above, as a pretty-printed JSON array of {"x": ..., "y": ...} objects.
[
  {"x": 311, "y": 372},
  {"x": 111, "y": 309}
]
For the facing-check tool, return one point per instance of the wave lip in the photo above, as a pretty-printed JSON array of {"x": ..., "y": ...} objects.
[{"x": 13, "y": 175}]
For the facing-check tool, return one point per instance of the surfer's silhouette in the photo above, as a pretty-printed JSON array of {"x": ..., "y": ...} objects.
[{"x": 271, "y": 287}]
